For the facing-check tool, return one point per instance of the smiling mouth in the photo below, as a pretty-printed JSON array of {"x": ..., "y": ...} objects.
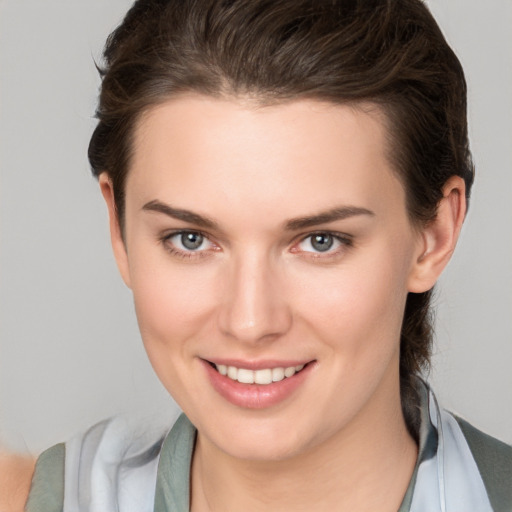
[{"x": 263, "y": 376}]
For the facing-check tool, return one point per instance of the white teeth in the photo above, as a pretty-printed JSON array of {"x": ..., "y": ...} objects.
[
  {"x": 265, "y": 376},
  {"x": 277, "y": 374},
  {"x": 288, "y": 372},
  {"x": 245, "y": 376}
]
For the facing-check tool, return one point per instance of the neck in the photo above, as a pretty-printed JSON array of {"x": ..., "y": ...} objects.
[{"x": 366, "y": 466}]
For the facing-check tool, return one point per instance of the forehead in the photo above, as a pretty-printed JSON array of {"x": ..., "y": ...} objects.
[{"x": 311, "y": 153}]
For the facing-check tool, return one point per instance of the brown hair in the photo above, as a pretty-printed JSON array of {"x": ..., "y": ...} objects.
[{"x": 386, "y": 52}]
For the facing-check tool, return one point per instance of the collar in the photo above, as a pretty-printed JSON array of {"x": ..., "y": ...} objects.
[{"x": 445, "y": 479}]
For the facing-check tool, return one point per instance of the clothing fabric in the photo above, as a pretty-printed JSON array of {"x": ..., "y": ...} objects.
[{"x": 122, "y": 465}]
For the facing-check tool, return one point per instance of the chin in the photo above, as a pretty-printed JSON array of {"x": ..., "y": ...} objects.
[
  {"x": 265, "y": 440},
  {"x": 263, "y": 450}
]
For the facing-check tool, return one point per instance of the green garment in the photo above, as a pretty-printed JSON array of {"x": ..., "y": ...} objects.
[{"x": 493, "y": 458}]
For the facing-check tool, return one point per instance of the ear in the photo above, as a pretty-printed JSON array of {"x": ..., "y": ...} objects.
[
  {"x": 439, "y": 237},
  {"x": 116, "y": 235}
]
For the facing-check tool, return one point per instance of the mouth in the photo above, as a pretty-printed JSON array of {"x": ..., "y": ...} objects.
[
  {"x": 264, "y": 376},
  {"x": 258, "y": 385}
]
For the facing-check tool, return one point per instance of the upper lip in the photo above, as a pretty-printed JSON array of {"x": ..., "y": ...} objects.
[{"x": 259, "y": 365}]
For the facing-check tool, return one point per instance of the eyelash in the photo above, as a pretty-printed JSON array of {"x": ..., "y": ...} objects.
[
  {"x": 345, "y": 241},
  {"x": 190, "y": 254}
]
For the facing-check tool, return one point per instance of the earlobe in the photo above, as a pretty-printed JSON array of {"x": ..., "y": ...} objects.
[
  {"x": 439, "y": 237},
  {"x": 116, "y": 235}
]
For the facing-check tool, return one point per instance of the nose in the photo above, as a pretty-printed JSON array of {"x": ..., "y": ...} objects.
[{"x": 254, "y": 305}]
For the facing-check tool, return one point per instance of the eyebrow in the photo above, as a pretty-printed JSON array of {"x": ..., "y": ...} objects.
[
  {"x": 332, "y": 215},
  {"x": 179, "y": 214},
  {"x": 325, "y": 217}
]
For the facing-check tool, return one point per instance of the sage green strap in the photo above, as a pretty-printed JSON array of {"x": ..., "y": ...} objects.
[
  {"x": 47, "y": 489},
  {"x": 173, "y": 478},
  {"x": 494, "y": 461}
]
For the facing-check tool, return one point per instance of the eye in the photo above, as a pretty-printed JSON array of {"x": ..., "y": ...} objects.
[
  {"x": 320, "y": 242},
  {"x": 323, "y": 243},
  {"x": 186, "y": 243},
  {"x": 190, "y": 241}
]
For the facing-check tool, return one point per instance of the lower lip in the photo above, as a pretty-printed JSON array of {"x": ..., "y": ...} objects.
[{"x": 255, "y": 396}]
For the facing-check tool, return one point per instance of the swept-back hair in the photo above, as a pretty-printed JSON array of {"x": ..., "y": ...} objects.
[{"x": 388, "y": 53}]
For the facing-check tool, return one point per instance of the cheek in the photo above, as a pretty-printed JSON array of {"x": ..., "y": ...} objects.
[
  {"x": 173, "y": 303},
  {"x": 174, "y": 311},
  {"x": 358, "y": 307}
]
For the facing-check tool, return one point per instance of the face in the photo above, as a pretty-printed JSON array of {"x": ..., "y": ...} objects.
[{"x": 272, "y": 244}]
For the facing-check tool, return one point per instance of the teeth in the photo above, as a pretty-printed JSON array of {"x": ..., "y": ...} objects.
[
  {"x": 245, "y": 376},
  {"x": 288, "y": 372},
  {"x": 277, "y": 374},
  {"x": 232, "y": 372},
  {"x": 265, "y": 376}
]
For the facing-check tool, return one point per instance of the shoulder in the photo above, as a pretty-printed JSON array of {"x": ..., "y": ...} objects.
[
  {"x": 47, "y": 487},
  {"x": 15, "y": 476},
  {"x": 119, "y": 455},
  {"x": 494, "y": 461}
]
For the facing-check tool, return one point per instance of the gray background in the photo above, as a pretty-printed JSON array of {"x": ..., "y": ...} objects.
[{"x": 70, "y": 352}]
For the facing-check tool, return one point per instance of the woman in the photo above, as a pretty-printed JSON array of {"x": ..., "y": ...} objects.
[{"x": 286, "y": 181}]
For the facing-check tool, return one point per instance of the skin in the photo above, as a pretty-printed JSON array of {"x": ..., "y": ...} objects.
[
  {"x": 259, "y": 290},
  {"x": 256, "y": 290},
  {"x": 15, "y": 476}
]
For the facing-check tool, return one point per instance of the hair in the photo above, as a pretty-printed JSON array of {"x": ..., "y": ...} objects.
[{"x": 389, "y": 53}]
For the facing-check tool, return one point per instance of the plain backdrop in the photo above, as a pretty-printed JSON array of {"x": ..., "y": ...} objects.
[{"x": 70, "y": 352}]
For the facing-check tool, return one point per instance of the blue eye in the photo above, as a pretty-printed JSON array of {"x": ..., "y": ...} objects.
[
  {"x": 322, "y": 243},
  {"x": 191, "y": 241},
  {"x": 188, "y": 241}
]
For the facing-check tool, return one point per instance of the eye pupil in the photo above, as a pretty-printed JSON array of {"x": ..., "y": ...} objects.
[
  {"x": 322, "y": 242},
  {"x": 191, "y": 241}
]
